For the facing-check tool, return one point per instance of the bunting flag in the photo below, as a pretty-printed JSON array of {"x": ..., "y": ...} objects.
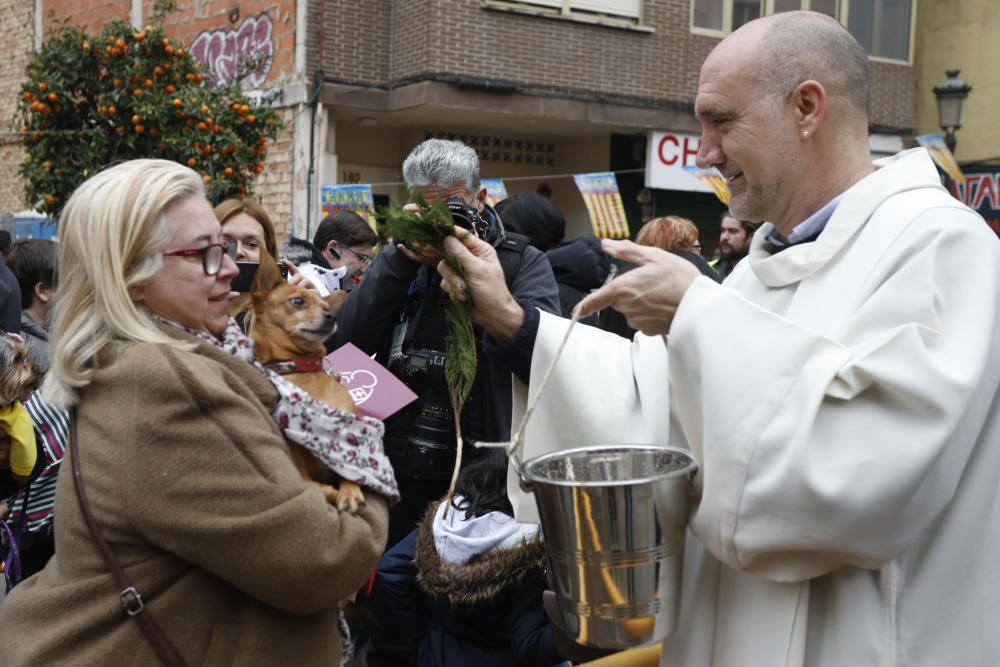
[
  {"x": 353, "y": 198},
  {"x": 714, "y": 179},
  {"x": 604, "y": 203},
  {"x": 934, "y": 143},
  {"x": 495, "y": 190}
]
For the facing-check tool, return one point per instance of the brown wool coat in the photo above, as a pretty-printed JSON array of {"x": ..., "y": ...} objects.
[{"x": 240, "y": 560}]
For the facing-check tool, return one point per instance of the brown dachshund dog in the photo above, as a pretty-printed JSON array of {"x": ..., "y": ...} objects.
[{"x": 288, "y": 327}]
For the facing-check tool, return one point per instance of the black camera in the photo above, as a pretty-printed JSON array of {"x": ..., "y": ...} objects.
[
  {"x": 420, "y": 441},
  {"x": 467, "y": 217}
]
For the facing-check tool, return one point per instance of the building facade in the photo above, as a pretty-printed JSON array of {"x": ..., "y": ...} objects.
[
  {"x": 543, "y": 89},
  {"x": 962, "y": 36}
]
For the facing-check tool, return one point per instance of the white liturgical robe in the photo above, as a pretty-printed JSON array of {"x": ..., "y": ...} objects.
[{"x": 841, "y": 398}]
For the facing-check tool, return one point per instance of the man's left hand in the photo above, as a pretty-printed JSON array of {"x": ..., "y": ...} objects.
[{"x": 648, "y": 295}]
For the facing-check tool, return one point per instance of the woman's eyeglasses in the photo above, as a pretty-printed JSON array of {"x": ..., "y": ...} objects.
[{"x": 211, "y": 255}]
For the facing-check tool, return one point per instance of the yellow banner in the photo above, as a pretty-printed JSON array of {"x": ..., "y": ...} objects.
[
  {"x": 934, "y": 143},
  {"x": 604, "y": 204},
  {"x": 714, "y": 179}
]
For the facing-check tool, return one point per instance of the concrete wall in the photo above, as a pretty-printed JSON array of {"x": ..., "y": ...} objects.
[{"x": 961, "y": 34}]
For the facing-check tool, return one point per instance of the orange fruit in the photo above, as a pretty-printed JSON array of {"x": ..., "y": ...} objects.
[
  {"x": 177, "y": 102},
  {"x": 139, "y": 36},
  {"x": 152, "y": 132},
  {"x": 202, "y": 126},
  {"x": 207, "y": 179},
  {"x": 112, "y": 110},
  {"x": 245, "y": 109},
  {"x": 139, "y": 129},
  {"x": 250, "y": 118},
  {"x": 228, "y": 171},
  {"x": 116, "y": 83},
  {"x": 42, "y": 87},
  {"x": 86, "y": 46},
  {"x": 166, "y": 42},
  {"x": 50, "y": 200},
  {"x": 137, "y": 92},
  {"x": 148, "y": 83},
  {"x": 46, "y": 165},
  {"x": 28, "y": 96},
  {"x": 136, "y": 119},
  {"x": 204, "y": 108},
  {"x": 170, "y": 89},
  {"x": 120, "y": 43},
  {"x": 158, "y": 71},
  {"x": 192, "y": 162},
  {"x": 179, "y": 53},
  {"x": 169, "y": 50},
  {"x": 53, "y": 97}
]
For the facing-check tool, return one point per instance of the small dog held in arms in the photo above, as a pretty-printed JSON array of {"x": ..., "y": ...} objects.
[
  {"x": 18, "y": 378},
  {"x": 288, "y": 328}
]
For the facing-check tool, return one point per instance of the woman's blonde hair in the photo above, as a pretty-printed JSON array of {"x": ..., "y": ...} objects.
[
  {"x": 112, "y": 232},
  {"x": 231, "y": 207},
  {"x": 670, "y": 232}
]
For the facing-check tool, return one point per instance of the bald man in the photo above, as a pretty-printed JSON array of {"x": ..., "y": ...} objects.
[{"x": 849, "y": 432}]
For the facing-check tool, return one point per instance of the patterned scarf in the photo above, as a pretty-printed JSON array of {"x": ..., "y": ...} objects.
[{"x": 351, "y": 446}]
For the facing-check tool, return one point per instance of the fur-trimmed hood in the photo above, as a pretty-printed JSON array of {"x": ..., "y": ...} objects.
[{"x": 482, "y": 578}]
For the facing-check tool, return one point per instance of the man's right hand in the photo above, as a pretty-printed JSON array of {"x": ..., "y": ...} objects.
[{"x": 493, "y": 306}]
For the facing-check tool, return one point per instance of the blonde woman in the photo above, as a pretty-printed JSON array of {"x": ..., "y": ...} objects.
[{"x": 188, "y": 478}]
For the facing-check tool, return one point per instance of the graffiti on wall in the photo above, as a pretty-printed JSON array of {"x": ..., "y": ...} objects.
[{"x": 243, "y": 53}]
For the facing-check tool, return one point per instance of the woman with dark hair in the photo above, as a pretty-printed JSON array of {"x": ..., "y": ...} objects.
[
  {"x": 467, "y": 583},
  {"x": 579, "y": 265}
]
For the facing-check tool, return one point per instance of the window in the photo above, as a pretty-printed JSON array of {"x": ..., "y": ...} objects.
[
  {"x": 883, "y": 27},
  {"x": 621, "y": 9}
]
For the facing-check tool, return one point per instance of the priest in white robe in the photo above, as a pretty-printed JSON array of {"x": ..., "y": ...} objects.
[{"x": 839, "y": 390}]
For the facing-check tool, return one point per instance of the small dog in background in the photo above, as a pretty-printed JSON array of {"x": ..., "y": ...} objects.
[
  {"x": 289, "y": 325},
  {"x": 18, "y": 378}
]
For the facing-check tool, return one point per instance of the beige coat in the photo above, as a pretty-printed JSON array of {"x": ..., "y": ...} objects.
[{"x": 240, "y": 560}]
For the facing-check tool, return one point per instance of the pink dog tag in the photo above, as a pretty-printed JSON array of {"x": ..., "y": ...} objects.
[{"x": 377, "y": 392}]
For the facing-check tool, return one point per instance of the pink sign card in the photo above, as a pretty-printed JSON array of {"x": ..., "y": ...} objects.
[{"x": 377, "y": 392}]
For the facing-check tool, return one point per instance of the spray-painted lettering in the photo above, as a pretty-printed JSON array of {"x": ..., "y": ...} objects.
[{"x": 247, "y": 50}]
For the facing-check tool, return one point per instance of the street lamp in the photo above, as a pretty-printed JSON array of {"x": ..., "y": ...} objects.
[{"x": 951, "y": 94}]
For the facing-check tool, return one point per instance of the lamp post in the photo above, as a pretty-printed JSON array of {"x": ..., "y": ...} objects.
[{"x": 951, "y": 94}]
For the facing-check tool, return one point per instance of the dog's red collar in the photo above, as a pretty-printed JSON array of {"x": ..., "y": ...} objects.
[{"x": 297, "y": 365}]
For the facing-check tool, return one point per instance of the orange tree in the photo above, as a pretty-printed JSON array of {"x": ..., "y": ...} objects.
[{"x": 93, "y": 100}]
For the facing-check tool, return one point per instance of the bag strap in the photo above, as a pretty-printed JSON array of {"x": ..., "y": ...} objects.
[
  {"x": 12, "y": 562},
  {"x": 131, "y": 601}
]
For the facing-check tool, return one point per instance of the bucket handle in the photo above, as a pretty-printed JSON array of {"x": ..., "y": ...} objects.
[{"x": 515, "y": 445}]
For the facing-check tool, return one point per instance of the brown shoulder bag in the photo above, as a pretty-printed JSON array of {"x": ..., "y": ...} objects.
[{"x": 130, "y": 599}]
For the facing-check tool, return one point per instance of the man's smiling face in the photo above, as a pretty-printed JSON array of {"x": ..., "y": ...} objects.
[{"x": 747, "y": 135}]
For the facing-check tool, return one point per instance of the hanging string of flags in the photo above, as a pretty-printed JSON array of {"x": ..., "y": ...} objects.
[
  {"x": 604, "y": 204},
  {"x": 934, "y": 143},
  {"x": 599, "y": 191},
  {"x": 714, "y": 179},
  {"x": 354, "y": 198}
]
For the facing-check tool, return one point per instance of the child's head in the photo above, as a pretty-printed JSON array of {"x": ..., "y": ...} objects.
[{"x": 483, "y": 485}]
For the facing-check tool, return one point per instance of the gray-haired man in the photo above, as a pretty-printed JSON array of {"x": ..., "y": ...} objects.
[{"x": 398, "y": 312}]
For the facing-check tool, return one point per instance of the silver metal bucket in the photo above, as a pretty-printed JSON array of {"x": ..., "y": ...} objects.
[{"x": 614, "y": 520}]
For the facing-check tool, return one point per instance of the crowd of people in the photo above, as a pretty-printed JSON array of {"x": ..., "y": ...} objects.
[{"x": 833, "y": 371}]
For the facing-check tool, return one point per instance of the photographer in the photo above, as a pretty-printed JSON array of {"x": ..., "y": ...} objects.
[{"x": 398, "y": 312}]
